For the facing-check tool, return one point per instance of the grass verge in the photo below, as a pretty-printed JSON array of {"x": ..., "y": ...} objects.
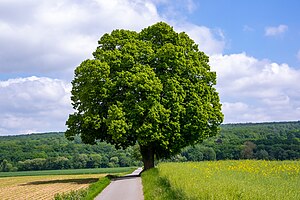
[
  {"x": 85, "y": 194},
  {"x": 156, "y": 187}
]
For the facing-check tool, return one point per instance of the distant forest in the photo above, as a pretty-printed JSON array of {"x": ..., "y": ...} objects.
[{"x": 269, "y": 141}]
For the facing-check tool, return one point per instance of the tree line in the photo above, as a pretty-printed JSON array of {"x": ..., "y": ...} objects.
[
  {"x": 49, "y": 151},
  {"x": 270, "y": 141}
]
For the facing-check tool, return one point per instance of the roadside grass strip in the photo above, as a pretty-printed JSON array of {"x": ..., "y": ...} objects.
[
  {"x": 156, "y": 187},
  {"x": 87, "y": 193}
]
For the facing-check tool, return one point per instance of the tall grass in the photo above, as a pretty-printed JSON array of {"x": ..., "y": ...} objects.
[
  {"x": 248, "y": 179},
  {"x": 156, "y": 187}
]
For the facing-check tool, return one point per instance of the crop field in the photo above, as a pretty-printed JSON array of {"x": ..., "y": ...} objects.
[
  {"x": 247, "y": 179},
  {"x": 42, "y": 187}
]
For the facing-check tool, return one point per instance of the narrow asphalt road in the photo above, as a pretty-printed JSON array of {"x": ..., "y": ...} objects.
[{"x": 128, "y": 187}]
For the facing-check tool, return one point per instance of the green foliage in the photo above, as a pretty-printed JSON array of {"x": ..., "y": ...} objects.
[
  {"x": 273, "y": 141},
  {"x": 267, "y": 141},
  {"x": 54, "y": 151},
  {"x": 153, "y": 87},
  {"x": 247, "y": 151},
  {"x": 193, "y": 153},
  {"x": 85, "y": 194},
  {"x": 5, "y": 166}
]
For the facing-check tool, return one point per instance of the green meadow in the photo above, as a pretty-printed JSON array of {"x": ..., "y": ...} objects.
[
  {"x": 244, "y": 179},
  {"x": 68, "y": 172}
]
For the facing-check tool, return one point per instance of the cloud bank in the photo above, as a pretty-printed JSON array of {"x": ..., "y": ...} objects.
[
  {"x": 34, "y": 104},
  {"x": 254, "y": 90},
  {"x": 52, "y": 37}
]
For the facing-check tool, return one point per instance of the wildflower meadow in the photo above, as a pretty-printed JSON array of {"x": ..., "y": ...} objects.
[{"x": 243, "y": 179}]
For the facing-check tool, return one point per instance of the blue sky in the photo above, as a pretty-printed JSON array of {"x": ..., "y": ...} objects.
[
  {"x": 243, "y": 24},
  {"x": 254, "y": 46}
]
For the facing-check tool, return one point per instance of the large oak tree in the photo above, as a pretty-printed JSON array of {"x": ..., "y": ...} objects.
[{"x": 154, "y": 88}]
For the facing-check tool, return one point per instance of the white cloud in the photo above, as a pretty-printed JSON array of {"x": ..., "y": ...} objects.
[
  {"x": 210, "y": 41},
  {"x": 242, "y": 112},
  {"x": 55, "y": 36},
  {"x": 256, "y": 90},
  {"x": 34, "y": 104},
  {"x": 274, "y": 31}
]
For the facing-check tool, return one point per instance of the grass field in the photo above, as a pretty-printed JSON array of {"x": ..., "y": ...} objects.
[
  {"x": 247, "y": 179},
  {"x": 67, "y": 172},
  {"x": 31, "y": 185}
]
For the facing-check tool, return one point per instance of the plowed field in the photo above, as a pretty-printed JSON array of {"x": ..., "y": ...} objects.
[{"x": 43, "y": 187}]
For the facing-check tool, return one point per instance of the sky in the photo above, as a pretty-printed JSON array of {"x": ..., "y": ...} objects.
[{"x": 254, "y": 47}]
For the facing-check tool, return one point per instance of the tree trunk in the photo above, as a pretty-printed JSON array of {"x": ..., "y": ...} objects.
[{"x": 147, "y": 156}]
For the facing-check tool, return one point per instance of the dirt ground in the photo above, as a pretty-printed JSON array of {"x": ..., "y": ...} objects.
[{"x": 43, "y": 187}]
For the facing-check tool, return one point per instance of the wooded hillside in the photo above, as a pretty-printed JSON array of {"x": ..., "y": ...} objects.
[
  {"x": 272, "y": 141},
  {"x": 54, "y": 151}
]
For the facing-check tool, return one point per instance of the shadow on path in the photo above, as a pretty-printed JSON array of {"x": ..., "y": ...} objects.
[{"x": 117, "y": 178}]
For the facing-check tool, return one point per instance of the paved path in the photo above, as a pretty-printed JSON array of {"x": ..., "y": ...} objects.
[{"x": 128, "y": 187}]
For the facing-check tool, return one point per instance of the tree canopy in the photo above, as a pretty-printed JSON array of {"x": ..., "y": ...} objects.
[{"x": 154, "y": 88}]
